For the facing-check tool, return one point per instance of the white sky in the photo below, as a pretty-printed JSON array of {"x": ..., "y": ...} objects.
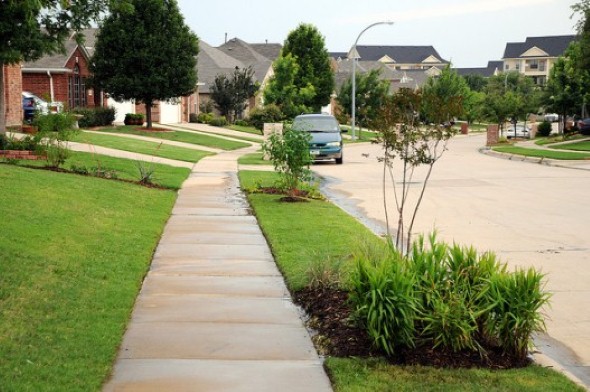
[{"x": 466, "y": 32}]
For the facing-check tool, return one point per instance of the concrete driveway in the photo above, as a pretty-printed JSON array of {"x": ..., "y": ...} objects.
[{"x": 528, "y": 214}]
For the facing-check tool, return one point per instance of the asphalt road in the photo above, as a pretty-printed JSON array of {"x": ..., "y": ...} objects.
[{"x": 528, "y": 214}]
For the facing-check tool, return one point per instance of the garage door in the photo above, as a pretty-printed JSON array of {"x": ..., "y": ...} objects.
[
  {"x": 170, "y": 112},
  {"x": 121, "y": 109}
]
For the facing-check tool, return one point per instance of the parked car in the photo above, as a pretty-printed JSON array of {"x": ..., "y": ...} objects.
[
  {"x": 326, "y": 138},
  {"x": 552, "y": 117},
  {"x": 32, "y": 104},
  {"x": 517, "y": 131},
  {"x": 584, "y": 126}
]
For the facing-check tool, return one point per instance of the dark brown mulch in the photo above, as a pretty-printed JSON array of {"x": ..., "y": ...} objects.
[{"x": 335, "y": 334}]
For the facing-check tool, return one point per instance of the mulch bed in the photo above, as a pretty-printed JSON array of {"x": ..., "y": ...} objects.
[{"x": 335, "y": 334}]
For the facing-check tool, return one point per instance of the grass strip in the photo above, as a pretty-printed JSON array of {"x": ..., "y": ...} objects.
[
  {"x": 579, "y": 146},
  {"x": 307, "y": 234},
  {"x": 126, "y": 169},
  {"x": 73, "y": 253},
  {"x": 550, "y": 154},
  {"x": 181, "y": 136},
  {"x": 255, "y": 158},
  {"x": 142, "y": 147},
  {"x": 360, "y": 375}
]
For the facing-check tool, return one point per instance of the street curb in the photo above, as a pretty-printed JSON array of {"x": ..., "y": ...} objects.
[{"x": 537, "y": 160}]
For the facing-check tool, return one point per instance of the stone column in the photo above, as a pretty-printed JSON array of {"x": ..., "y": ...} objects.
[
  {"x": 493, "y": 135},
  {"x": 464, "y": 128},
  {"x": 267, "y": 130}
]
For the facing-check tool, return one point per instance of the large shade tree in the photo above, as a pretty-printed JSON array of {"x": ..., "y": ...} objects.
[
  {"x": 148, "y": 54},
  {"x": 30, "y": 29},
  {"x": 311, "y": 72}
]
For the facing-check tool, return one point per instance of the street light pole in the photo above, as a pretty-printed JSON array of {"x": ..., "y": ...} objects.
[{"x": 354, "y": 56}]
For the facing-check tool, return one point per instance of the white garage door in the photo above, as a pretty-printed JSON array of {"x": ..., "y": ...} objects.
[
  {"x": 170, "y": 112},
  {"x": 121, "y": 109}
]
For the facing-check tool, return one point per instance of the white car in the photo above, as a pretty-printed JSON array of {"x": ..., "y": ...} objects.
[
  {"x": 552, "y": 117},
  {"x": 518, "y": 131}
]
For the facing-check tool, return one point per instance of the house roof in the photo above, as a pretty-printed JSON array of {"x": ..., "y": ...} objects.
[
  {"x": 554, "y": 46},
  {"x": 490, "y": 70},
  {"x": 399, "y": 54},
  {"x": 58, "y": 61},
  {"x": 234, "y": 53}
]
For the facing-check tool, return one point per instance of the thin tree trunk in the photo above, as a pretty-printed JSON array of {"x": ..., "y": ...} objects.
[
  {"x": 385, "y": 200},
  {"x": 148, "y": 113},
  {"x": 2, "y": 101}
]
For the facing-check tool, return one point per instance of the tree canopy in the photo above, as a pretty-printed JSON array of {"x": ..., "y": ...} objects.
[
  {"x": 306, "y": 62},
  {"x": 30, "y": 29},
  {"x": 147, "y": 54},
  {"x": 230, "y": 94}
]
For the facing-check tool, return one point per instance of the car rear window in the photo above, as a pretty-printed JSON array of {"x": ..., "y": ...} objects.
[{"x": 316, "y": 124}]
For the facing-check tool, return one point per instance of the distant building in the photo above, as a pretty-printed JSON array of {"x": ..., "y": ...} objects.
[
  {"x": 493, "y": 68},
  {"x": 403, "y": 57},
  {"x": 535, "y": 56}
]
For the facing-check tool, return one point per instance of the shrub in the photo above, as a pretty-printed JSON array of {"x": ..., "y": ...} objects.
[
  {"x": 218, "y": 121},
  {"x": 95, "y": 117},
  {"x": 544, "y": 129},
  {"x": 193, "y": 118},
  {"x": 205, "y": 118},
  {"x": 268, "y": 114},
  {"x": 206, "y": 106},
  {"x": 55, "y": 122},
  {"x": 133, "y": 119},
  {"x": 241, "y": 123},
  {"x": 447, "y": 297},
  {"x": 290, "y": 156}
]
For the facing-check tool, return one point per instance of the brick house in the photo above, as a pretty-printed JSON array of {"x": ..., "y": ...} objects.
[{"x": 63, "y": 77}]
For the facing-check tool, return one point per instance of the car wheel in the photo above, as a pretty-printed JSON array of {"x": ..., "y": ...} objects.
[{"x": 339, "y": 160}]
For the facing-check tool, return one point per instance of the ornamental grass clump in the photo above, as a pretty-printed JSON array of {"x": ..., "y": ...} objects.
[{"x": 446, "y": 297}]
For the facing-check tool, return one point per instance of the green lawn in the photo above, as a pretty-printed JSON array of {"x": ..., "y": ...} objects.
[
  {"x": 181, "y": 136},
  {"x": 313, "y": 240},
  {"x": 579, "y": 146},
  {"x": 255, "y": 158},
  {"x": 551, "y": 154},
  {"x": 126, "y": 169},
  {"x": 73, "y": 253},
  {"x": 364, "y": 375},
  {"x": 142, "y": 147},
  {"x": 245, "y": 129}
]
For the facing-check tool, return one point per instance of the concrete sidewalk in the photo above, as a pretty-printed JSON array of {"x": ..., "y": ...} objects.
[{"x": 214, "y": 313}]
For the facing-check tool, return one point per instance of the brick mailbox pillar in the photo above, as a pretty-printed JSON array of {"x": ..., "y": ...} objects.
[
  {"x": 464, "y": 128},
  {"x": 267, "y": 130},
  {"x": 493, "y": 134}
]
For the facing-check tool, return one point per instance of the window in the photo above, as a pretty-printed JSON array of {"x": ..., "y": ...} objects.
[
  {"x": 506, "y": 67},
  {"x": 533, "y": 64},
  {"x": 76, "y": 89}
]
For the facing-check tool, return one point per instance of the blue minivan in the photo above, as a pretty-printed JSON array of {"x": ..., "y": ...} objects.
[{"x": 326, "y": 138}]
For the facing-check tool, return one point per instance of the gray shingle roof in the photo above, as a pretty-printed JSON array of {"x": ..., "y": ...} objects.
[
  {"x": 554, "y": 46},
  {"x": 488, "y": 71},
  {"x": 58, "y": 61},
  {"x": 400, "y": 54},
  {"x": 212, "y": 62}
]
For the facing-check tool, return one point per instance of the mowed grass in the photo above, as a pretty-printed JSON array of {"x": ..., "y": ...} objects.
[
  {"x": 255, "y": 158},
  {"x": 125, "y": 169},
  {"x": 181, "y": 136},
  {"x": 73, "y": 253},
  {"x": 550, "y": 154},
  {"x": 306, "y": 235},
  {"x": 142, "y": 147},
  {"x": 579, "y": 146},
  {"x": 363, "y": 375}
]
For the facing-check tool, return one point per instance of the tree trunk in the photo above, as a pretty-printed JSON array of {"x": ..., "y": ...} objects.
[
  {"x": 2, "y": 101},
  {"x": 148, "y": 113}
]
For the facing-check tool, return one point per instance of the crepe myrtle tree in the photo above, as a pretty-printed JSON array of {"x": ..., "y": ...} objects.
[
  {"x": 230, "y": 94},
  {"x": 30, "y": 29},
  {"x": 147, "y": 54},
  {"x": 411, "y": 142}
]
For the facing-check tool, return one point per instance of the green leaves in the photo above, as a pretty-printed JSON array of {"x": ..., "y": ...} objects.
[{"x": 446, "y": 297}]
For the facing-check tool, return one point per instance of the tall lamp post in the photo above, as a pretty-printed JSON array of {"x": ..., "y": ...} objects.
[{"x": 354, "y": 56}]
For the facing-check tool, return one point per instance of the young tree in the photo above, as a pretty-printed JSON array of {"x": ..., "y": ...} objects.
[
  {"x": 230, "y": 95},
  {"x": 476, "y": 82},
  {"x": 370, "y": 93},
  {"x": 146, "y": 55},
  {"x": 405, "y": 138},
  {"x": 440, "y": 90},
  {"x": 307, "y": 49},
  {"x": 282, "y": 91},
  {"x": 31, "y": 28}
]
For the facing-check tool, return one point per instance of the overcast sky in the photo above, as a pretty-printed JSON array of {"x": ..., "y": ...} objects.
[{"x": 466, "y": 32}]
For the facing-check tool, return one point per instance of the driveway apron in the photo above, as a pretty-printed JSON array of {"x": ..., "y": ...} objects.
[{"x": 214, "y": 313}]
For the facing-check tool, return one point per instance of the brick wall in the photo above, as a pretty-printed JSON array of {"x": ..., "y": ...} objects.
[{"x": 12, "y": 94}]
